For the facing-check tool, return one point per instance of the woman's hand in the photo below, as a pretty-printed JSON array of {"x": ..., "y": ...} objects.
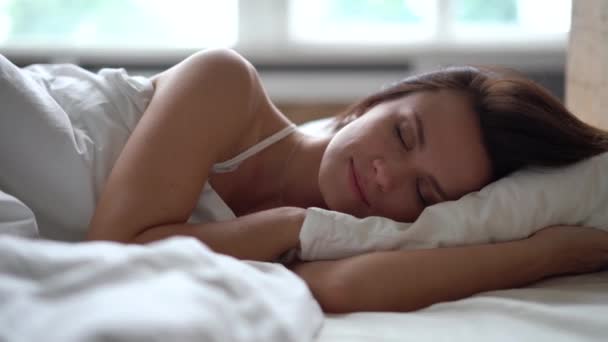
[{"x": 574, "y": 249}]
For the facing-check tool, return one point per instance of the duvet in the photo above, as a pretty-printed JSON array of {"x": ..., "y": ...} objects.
[{"x": 173, "y": 290}]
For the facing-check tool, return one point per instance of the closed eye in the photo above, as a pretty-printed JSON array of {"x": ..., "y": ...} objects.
[{"x": 400, "y": 136}]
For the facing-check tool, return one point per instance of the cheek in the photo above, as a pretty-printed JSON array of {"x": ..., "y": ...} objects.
[
  {"x": 329, "y": 175},
  {"x": 339, "y": 149},
  {"x": 401, "y": 205}
]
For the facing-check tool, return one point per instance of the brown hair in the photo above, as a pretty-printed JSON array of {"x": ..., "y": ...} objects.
[{"x": 522, "y": 124}]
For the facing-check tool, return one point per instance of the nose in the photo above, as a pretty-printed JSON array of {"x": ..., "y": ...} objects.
[{"x": 382, "y": 174}]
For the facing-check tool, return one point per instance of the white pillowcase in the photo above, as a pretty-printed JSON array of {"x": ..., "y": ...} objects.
[{"x": 511, "y": 208}]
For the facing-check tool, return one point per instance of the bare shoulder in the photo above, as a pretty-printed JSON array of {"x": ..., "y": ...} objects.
[
  {"x": 226, "y": 90},
  {"x": 202, "y": 110},
  {"x": 224, "y": 62}
]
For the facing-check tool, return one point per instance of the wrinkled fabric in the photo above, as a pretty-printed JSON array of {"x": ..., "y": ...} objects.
[
  {"x": 61, "y": 130},
  {"x": 172, "y": 290},
  {"x": 16, "y": 218}
]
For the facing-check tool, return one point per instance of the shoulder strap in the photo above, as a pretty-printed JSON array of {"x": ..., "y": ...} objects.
[{"x": 233, "y": 163}]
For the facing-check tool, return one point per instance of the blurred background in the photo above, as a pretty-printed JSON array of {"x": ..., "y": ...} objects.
[{"x": 314, "y": 56}]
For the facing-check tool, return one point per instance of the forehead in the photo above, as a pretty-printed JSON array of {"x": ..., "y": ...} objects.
[
  {"x": 455, "y": 154},
  {"x": 435, "y": 102}
]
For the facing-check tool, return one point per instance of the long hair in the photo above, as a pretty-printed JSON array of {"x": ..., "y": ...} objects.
[{"x": 522, "y": 124}]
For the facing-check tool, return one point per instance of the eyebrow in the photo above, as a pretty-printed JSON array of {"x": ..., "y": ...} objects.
[{"x": 419, "y": 130}]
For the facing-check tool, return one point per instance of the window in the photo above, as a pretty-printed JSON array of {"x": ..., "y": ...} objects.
[
  {"x": 118, "y": 23},
  {"x": 413, "y": 21},
  {"x": 305, "y": 49},
  {"x": 271, "y": 30},
  {"x": 361, "y": 21},
  {"x": 511, "y": 19}
]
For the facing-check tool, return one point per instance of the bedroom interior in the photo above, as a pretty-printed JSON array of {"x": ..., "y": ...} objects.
[{"x": 175, "y": 290}]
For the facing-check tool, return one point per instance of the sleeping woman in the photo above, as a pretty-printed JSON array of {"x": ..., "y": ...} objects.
[{"x": 211, "y": 157}]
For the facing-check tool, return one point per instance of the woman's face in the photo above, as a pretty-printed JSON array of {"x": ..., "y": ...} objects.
[{"x": 405, "y": 154}]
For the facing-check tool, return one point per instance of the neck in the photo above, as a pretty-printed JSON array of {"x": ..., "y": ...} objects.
[
  {"x": 300, "y": 186},
  {"x": 287, "y": 174}
]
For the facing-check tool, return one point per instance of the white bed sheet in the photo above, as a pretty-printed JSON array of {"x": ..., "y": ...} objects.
[{"x": 573, "y": 308}]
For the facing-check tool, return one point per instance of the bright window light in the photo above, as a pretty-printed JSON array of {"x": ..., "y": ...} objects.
[
  {"x": 361, "y": 21},
  {"x": 511, "y": 19},
  {"x": 411, "y": 21},
  {"x": 118, "y": 23},
  {"x": 269, "y": 27}
]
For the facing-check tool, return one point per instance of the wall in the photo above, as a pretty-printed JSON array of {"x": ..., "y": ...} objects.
[{"x": 587, "y": 62}]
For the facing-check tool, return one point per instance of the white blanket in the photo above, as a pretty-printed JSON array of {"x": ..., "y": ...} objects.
[{"x": 174, "y": 290}]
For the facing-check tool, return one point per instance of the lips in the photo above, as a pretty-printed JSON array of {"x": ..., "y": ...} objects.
[{"x": 357, "y": 184}]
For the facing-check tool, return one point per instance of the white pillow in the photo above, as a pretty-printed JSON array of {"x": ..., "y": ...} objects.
[
  {"x": 509, "y": 209},
  {"x": 16, "y": 218}
]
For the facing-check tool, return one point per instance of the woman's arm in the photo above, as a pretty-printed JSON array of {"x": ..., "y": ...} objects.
[
  {"x": 411, "y": 280},
  {"x": 198, "y": 114},
  {"x": 263, "y": 235}
]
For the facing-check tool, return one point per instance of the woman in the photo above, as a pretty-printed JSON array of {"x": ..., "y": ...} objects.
[{"x": 425, "y": 140}]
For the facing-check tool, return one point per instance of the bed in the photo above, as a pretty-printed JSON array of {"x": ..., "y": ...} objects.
[{"x": 179, "y": 290}]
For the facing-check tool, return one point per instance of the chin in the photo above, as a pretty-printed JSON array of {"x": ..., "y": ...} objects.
[
  {"x": 333, "y": 196},
  {"x": 334, "y": 186}
]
